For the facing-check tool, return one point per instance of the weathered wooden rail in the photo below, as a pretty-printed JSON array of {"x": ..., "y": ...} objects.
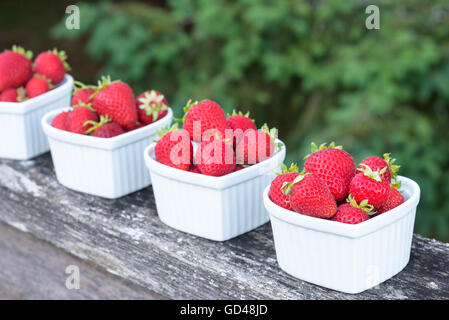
[{"x": 126, "y": 238}]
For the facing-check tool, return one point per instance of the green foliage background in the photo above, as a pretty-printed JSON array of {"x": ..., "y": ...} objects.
[{"x": 310, "y": 68}]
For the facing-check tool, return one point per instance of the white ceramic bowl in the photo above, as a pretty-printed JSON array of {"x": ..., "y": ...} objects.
[
  {"x": 105, "y": 167},
  {"x": 216, "y": 208},
  {"x": 21, "y": 135},
  {"x": 344, "y": 257}
]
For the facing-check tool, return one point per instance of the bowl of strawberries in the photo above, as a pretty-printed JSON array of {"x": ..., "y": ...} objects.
[
  {"x": 339, "y": 225},
  {"x": 28, "y": 90},
  {"x": 208, "y": 177},
  {"x": 97, "y": 143}
]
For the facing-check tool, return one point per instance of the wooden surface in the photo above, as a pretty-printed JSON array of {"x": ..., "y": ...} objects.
[
  {"x": 34, "y": 269},
  {"x": 126, "y": 238}
]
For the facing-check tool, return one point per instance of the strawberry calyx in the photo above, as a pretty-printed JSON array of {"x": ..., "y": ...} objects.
[
  {"x": 103, "y": 83},
  {"x": 26, "y": 53},
  {"x": 167, "y": 129},
  {"x": 293, "y": 169},
  {"x": 63, "y": 56},
  {"x": 40, "y": 76},
  {"x": 368, "y": 172},
  {"x": 363, "y": 205},
  {"x": 85, "y": 105},
  {"x": 287, "y": 187},
  {"x": 96, "y": 125},
  {"x": 21, "y": 94},
  {"x": 187, "y": 108},
  {"x": 314, "y": 148},
  {"x": 152, "y": 104},
  {"x": 394, "y": 168},
  {"x": 240, "y": 113},
  {"x": 78, "y": 85}
]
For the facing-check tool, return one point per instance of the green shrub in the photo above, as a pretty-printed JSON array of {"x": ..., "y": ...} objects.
[{"x": 310, "y": 68}]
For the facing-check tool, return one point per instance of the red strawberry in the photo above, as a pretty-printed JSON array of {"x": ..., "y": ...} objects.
[
  {"x": 174, "y": 149},
  {"x": 332, "y": 165},
  {"x": 104, "y": 129},
  {"x": 52, "y": 64},
  {"x": 37, "y": 86},
  {"x": 310, "y": 196},
  {"x": 60, "y": 120},
  {"x": 275, "y": 193},
  {"x": 256, "y": 145},
  {"x": 368, "y": 185},
  {"x": 215, "y": 157},
  {"x": 138, "y": 125},
  {"x": 346, "y": 213},
  {"x": 151, "y": 106},
  {"x": 15, "y": 68},
  {"x": 375, "y": 163},
  {"x": 204, "y": 118},
  {"x": 76, "y": 120},
  {"x": 395, "y": 199},
  {"x": 239, "y": 123},
  {"x": 194, "y": 169},
  {"x": 239, "y": 167},
  {"x": 13, "y": 95},
  {"x": 82, "y": 93},
  {"x": 116, "y": 100}
]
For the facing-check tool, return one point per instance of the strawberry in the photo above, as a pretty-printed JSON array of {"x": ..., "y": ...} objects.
[
  {"x": 334, "y": 166},
  {"x": 151, "y": 106},
  {"x": 352, "y": 213},
  {"x": 215, "y": 157},
  {"x": 13, "y": 95},
  {"x": 368, "y": 185},
  {"x": 310, "y": 196},
  {"x": 194, "y": 169},
  {"x": 204, "y": 119},
  {"x": 375, "y": 163},
  {"x": 37, "y": 85},
  {"x": 15, "y": 68},
  {"x": 395, "y": 199},
  {"x": 275, "y": 193},
  {"x": 115, "y": 99},
  {"x": 239, "y": 123},
  {"x": 52, "y": 64},
  {"x": 239, "y": 167},
  {"x": 60, "y": 121},
  {"x": 104, "y": 129},
  {"x": 256, "y": 145},
  {"x": 77, "y": 118},
  {"x": 136, "y": 126},
  {"x": 174, "y": 148},
  {"x": 82, "y": 92}
]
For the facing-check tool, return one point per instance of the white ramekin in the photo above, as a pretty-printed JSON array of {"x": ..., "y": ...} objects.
[
  {"x": 344, "y": 257},
  {"x": 109, "y": 168},
  {"x": 21, "y": 136},
  {"x": 216, "y": 208}
]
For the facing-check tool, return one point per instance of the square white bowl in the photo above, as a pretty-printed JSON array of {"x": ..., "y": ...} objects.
[
  {"x": 21, "y": 135},
  {"x": 104, "y": 167},
  {"x": 344, "y": 257},
  {"x": 215, "y": 208}
]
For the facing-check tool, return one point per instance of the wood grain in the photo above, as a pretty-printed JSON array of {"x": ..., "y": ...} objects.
[
  {"x": 126, "y": 238},
  {"x": 34, "y": 269}
]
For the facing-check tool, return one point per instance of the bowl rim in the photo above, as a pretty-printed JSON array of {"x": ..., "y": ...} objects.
[
  {"x": 20, "y": 108},
  {"x": 343, "y": 229},
  {"x": 265, "y": 167},
  {"x": 102, "y": 143}
]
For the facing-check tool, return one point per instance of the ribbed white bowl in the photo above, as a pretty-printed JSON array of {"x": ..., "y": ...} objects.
[
  {"x": 21, "y": 135},
  {"x": 109, "y": 168},
  {"x": 216, "y": 208},
  {"x": 343, "y": 257}
]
